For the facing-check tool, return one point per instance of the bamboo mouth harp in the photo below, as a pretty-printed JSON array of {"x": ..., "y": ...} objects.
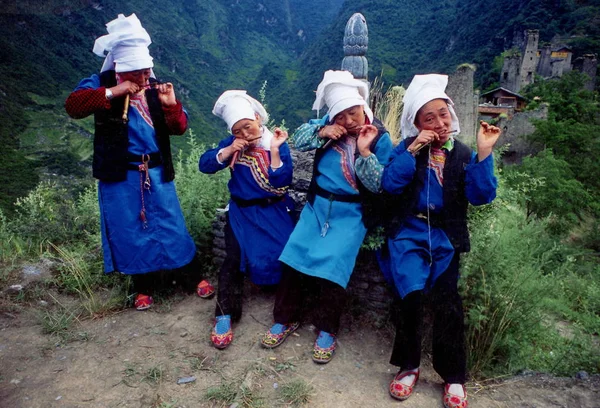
[
  {"x": 422, "y": 145},
  {"x": 237, "y": 153},
  {"x": 352, "y": 132},
  {"x": 153, "y": 84}
]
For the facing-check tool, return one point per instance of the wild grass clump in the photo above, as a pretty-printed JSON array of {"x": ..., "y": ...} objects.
[
  {"x": 296, "y": 392},
  {"x": 387, "y": 106},
  {"x": 520, "y": 283}
]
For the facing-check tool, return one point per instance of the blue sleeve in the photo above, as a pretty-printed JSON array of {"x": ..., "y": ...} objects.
[
  {"x": 369, "y": 169},
  {"x": 92, "y": 82},
  {"x": 400, "y": 170},
  {"x": 208, "y": 161},
  {"x": 282, "y": 176},
  {"x": 306, "y": 137},
  {"x": 480, "y": 181}
]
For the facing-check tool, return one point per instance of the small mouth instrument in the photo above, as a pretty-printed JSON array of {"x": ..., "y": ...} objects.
[
  {"x": 237, "y": 153},
  {"x": 153, "y": 84},
  {"x": 422, "y": 145},
  {"x": 353, "y": 132}
]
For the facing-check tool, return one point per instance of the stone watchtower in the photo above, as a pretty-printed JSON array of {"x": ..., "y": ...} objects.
[
  {"x": 356, "y": 42},
  {"x": 530, "y": 59},
  {"x": 519, "y": 68}
]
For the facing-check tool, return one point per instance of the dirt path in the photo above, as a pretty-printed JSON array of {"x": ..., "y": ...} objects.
[{"x": 134, "y": 359}]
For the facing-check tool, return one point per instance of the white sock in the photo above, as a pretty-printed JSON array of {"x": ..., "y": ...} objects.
[
  {"x": 456, "y": 389},
  {"x": 409, "y": 379}
]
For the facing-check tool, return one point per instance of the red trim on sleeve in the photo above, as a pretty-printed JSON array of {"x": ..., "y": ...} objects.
[
  {"x": 176, "y": 118},
  {"x": 84, "y": 102}
]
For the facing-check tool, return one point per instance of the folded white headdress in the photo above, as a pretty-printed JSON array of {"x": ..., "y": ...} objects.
[
  {"x": 423, "y": 89},
  {"x": 233, "y": 106},
  {"x": 339, "y": 90},
  {"x": 127, "y": 45}
]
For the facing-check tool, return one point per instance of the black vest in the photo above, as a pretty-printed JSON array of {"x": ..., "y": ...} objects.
[
  {"x": 111, "y": 139},
  {"x": 453, "y": 217},
  {"x": 371, "y": 202}
]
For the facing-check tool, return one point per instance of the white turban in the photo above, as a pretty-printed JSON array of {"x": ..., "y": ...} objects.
[
  {"x": 233, "y": 106},
  {"x": 339, "y": 90},
  {"x": 127, "y": 45},
  {"x": 423, "y": 89}
]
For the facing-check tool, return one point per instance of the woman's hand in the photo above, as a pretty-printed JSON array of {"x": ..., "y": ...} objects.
[
  {"x": 279, "y": 137},
  {"x": 166, "y": 94},
  {"x": 425, "y": 137},
  {"x": 238, "y": 145},
  {"x": 125, "y": 88},
  {"x": 333, "y": 132},
  {"x": 365, "y": 138},
  {"x": 486, "y": 139}
]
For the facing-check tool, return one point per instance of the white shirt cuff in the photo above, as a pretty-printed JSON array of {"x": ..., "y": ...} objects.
[{"x": 218, "y": 153}]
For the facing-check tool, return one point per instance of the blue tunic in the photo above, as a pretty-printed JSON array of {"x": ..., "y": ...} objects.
[
  {"x": 261, "y": 231},
  {"x": 420, "y": 253},
  {"x": 130, "y": 246},
  {"x": 330, "y": 253}
]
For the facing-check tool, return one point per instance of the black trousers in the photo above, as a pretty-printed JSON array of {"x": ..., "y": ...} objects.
[
  {"x": 231, "y": 279},
  {"x": 449, "y": 353},
  {"x": 325, "y": 299},
  {"x": 187, "y": 278}
]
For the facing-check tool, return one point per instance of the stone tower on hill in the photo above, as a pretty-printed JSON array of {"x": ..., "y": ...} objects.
[{"x": 520, "y": 67}]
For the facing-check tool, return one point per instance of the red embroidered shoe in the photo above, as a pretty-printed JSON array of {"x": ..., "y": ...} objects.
[
  {"x": 324, "y": 347},
  {"x": 453, "y": 400},
  {"x": 205, "y": 289},
  {"x": 143, "y": 302},
  {"x": 401, "y": 391},
  {"x": 277, "y": 334},
  {"x": 222, "y": 334}
]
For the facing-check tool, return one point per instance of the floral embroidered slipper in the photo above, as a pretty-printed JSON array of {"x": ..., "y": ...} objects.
[
  {"x": 398, "y": 389},
  {"x": 277, "y": 334},
  {"x": 453, "y": 400},
  {"x": 143, "y": 302},
  {"x": 205, "y": 289},
  {"x": 222, "y": 334},
  {"x": 325, "y": 345}
]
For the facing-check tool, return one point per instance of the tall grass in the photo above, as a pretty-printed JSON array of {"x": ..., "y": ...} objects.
[{"x": 518, "y": 284}]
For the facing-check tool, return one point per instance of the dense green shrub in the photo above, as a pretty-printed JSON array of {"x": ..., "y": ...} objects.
[{"x": 520, "y": 284}]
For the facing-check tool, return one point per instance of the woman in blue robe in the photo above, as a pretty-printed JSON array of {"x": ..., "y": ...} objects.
[
  {"x": 351, "y": 149},
  {"x": 258, "y": 221},
  {"x": 142, "y": 226},
  {"x": 436, "y": 177}
]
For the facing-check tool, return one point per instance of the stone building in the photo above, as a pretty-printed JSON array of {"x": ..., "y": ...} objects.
[{"x": 551, "y": 61}]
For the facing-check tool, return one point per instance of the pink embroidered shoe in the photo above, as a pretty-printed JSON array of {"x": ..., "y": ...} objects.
[
  {"x": 205, "y": 289},
  {"x": 143, "y": 302},
  {"x": 277, "y": 334},
  {"x": 401, "y": 391},
  {"x": 453, "y": 400},
  {"x": 222, "y": 334},
  {"x": 324, "y": 348}
]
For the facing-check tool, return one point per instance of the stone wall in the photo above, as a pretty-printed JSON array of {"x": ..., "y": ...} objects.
[
  {"x": 515, "y": 131},
  {"x": 367, "y": 289},
  {"x": 460, "y": 89}
]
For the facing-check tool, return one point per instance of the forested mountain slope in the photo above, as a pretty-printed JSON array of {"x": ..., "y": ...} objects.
[{"x": 207, "y": 46}]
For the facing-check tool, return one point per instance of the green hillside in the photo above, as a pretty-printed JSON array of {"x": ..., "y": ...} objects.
[{"x": 205, "y": 47}]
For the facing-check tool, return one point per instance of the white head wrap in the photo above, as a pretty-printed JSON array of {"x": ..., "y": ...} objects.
[
  {"x": 339, "y": 90},
  {"x": 127, "y": 45},
  {"x": 423, "y": 89},
  {"x": 233, "y": 106}
]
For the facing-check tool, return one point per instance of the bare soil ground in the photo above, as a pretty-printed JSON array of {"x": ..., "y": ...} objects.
[{"x": 134, "y": 359}]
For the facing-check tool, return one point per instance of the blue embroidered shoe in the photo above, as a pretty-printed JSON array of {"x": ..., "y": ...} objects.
[
  {"x": 277, "y": 334},
  {"x": 324, "y": 347},
  {"x": 222, "y": 334}
]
